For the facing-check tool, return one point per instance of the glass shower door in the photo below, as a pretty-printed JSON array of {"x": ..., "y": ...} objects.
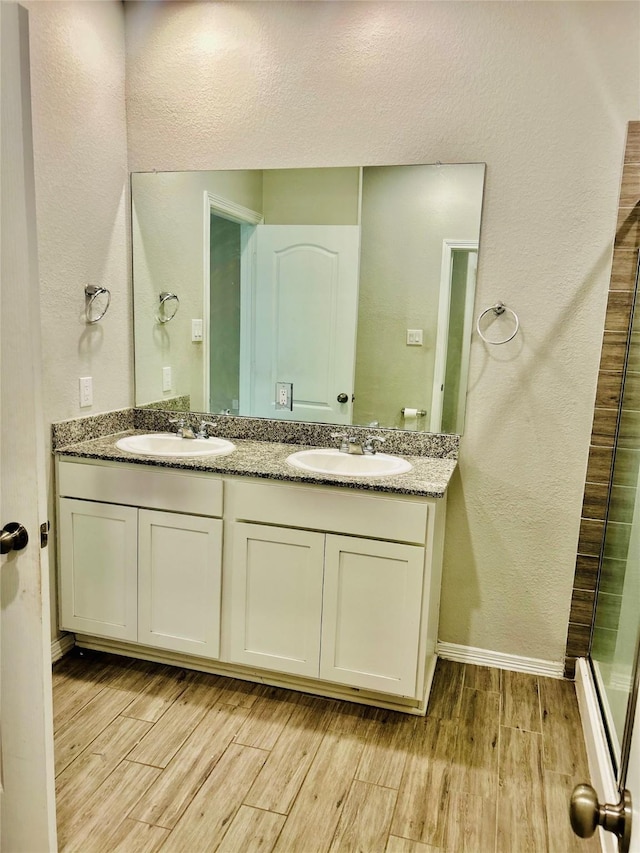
[{"x": 617, "y": 618}]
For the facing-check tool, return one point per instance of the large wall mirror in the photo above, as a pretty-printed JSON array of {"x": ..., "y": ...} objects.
[{"x": 333, "y": 295}]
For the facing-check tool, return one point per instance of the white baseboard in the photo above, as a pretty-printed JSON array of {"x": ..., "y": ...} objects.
[
  {"x": 600, "y": 768},
  {"x": 61, "y": 645},
  {"x": 499, "y": 660}
]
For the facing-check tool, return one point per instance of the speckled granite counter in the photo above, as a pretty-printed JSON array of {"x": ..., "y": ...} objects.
[{"x": 429, "y": 476}]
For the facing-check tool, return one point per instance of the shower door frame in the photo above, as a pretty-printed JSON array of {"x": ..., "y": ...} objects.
[
  {"x": 607, "y": 768},
  {"x": 603, "y": 700}
]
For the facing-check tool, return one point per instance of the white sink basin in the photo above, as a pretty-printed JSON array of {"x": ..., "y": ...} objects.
[
  {"x": 329, "y": 461},
  {"x": 165, "y": 444}
]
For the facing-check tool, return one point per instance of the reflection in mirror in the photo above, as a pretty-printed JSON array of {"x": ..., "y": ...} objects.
[{"x": 336, "y": 295}]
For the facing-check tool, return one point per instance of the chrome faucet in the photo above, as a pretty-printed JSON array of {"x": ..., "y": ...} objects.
[
  {"x": 353, "y": 445},
  {"x": 184, "y": 430}
]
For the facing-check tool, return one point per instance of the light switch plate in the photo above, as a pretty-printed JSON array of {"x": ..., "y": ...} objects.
[
  {"x": 166, "y": 379},
  {"x": 196, "y": 331},
  {"x": 414, "y": 337}
]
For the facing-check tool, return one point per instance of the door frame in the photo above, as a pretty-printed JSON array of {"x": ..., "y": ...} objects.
[
  {"x": 247, "y": 219},
  {"x": 444, "y": 307}
]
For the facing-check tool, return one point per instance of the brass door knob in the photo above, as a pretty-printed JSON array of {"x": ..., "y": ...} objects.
[
  {"x": 13, "y": 537},
  {"x": 586, "y": 815}
]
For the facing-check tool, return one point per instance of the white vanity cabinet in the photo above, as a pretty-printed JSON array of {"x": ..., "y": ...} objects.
[
  {"x": 372, "y": 608},
  {"x": 179, "y": 571},
  {"x": 339, "y": 608},
  {"x": 275, "y": 605},
  {"x": 131, "y": 572},
  {"x": 326, "y": 589},
  {"x": 355, "y": 610},
  {"x": 99, "y": 589}
]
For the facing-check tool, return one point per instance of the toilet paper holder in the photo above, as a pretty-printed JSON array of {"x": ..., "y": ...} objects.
[{"x": 420, "y": 413}]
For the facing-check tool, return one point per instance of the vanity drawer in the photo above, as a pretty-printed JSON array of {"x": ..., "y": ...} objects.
[
  {"x": 173, "y": 490},
  {"x": 318, "y": 508}
]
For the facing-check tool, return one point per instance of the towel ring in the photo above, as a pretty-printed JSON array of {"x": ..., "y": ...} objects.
[
  {"x": 498, "y": 309},
  {"x": 92, "y": 292},
  {"x": 162, "y": 316}
]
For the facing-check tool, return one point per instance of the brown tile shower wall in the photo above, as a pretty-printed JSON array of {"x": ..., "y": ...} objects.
[{"x": 608, "y": 399}]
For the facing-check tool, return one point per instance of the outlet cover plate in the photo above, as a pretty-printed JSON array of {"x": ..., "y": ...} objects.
[{"x": 284, "y": 395}]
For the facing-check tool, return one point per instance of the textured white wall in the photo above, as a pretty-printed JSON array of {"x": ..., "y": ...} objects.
[
  {"x": 539, "y": 91},
  {"x": 80, "y": 146},
  {"x": 80, "y": 151}
]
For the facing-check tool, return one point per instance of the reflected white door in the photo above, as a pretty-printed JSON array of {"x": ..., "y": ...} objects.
[
  {"x": 305, "y": 305},
  {"x": 28, "y": 799}
]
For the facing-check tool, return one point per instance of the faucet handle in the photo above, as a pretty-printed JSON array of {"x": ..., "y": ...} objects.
[
  {"x": 370, "y": 443},
  {"x": 344, "y": 438},
  {"x": 180, "y": 422},
  {"x": 203, "y": 432}
]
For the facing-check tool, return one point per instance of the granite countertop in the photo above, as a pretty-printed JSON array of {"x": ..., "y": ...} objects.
[{"x": 429, "y": 476}]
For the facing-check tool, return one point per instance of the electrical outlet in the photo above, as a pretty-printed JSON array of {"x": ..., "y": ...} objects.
[
  {"x": 86, "y": 391},
  {"x": 196, "y": 331},
  {"x": 166, "y": 379},
  {"x": 414, "y": 337},
  {"x": 284, "y": 395}
]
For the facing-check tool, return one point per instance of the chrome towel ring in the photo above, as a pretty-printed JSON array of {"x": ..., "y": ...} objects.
[
  {"x": 97, "y": 303},
  {"x": 163, "y": 315},
  {"x": 498, "y": 309}
]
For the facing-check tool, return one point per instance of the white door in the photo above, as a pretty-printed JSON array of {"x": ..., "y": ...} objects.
[
  {"x": 28, "y": 796},
  {"x": 371, "y": 614},
  {"x": 276, "y": 598},
  {"x": 179, "y": 571},
  {"x": 305, "y": 310}
]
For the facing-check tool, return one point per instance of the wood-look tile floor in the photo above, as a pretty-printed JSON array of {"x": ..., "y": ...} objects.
[{"x": 150, "y": 757}]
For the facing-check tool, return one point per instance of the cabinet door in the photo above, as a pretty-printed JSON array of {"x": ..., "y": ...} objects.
[
  {"x": 179, "y": 571},
  {"x": 98, "y": 575},
  {"x": 276, "y": 598},
  {"x": 371, "y": 615}
]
